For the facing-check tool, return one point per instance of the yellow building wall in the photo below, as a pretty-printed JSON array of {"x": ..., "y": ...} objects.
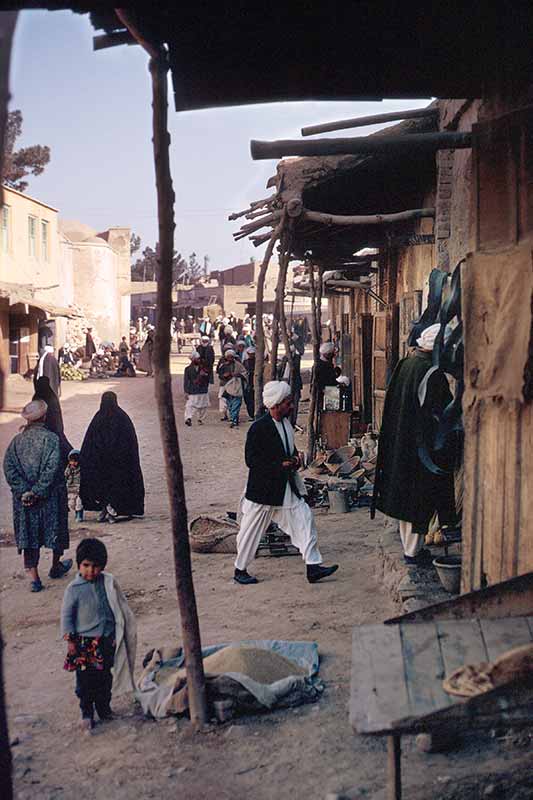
[{"x": 18, "y": 265}]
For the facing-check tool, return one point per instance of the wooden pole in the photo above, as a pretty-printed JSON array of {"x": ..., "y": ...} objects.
[
  {"x": 8, "y": 20},
  {"x": 373, "y": 119},
  {"x": 259, "y": 331},
  {"x": 311, "y": 433},
  {"x": 357, "y": 145},
  {"x": 284, "y": 267},
  {"x": 163, "y": 389},
  {"x": 367, "y": 219},
  {"x": 190, "y": 628},
  {"x": 394, "y": 774}
]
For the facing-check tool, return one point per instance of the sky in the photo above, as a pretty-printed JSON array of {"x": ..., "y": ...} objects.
[{"x": 93, "y": 109}]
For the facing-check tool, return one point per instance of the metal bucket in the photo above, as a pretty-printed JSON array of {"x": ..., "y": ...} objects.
[
  {"x": 449, "y": 571},
  {"x": 338, "y": 502}
]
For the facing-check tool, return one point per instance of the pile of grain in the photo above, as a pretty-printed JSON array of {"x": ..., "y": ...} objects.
[{"x": 263, "y": 666}]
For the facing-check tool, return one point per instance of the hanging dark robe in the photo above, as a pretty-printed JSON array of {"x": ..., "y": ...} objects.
[
  {"x": 404, "y": 488},
  {"x": 109, "y": 460},
  {"x": 54, "y": 417}
]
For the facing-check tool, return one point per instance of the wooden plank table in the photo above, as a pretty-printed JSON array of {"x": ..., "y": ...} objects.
[{"x": 397, "y": 674}]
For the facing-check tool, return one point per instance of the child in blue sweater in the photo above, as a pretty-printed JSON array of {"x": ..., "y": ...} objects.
[{"x": 99, "y": 627}]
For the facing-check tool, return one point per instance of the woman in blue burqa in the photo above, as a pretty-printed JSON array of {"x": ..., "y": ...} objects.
[{"x": 111, "y": 478}]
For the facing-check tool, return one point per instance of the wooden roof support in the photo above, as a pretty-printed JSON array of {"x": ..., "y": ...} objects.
[
  {"x": 373, "y": 119},
  {"x": 443, "y": 140},
  {"x": 259, "y": 329},
  {"x": 367, "y": 219},
  {"x": 8, "y": 21},
  {"x": 190, "y": 627},
  {"x": 115, "y": 39}
]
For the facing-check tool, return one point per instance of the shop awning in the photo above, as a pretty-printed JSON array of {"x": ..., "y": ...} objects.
[{"x": 24, "y": 294}]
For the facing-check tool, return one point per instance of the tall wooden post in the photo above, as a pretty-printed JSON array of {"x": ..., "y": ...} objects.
[
  {"x": 259, "y": 330},
  {"x": 8, "y": 21},
  {"x": 286, "y": 243},
  {"x": 163, "y": 388},
  {"x": 315, "y": 338}
]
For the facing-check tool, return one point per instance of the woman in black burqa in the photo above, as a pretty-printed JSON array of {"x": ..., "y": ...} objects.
[
  {"x": 54, "y": 417},
  {"x": 111, "y": 478}
]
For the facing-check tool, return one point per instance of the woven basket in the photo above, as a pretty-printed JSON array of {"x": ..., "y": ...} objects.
[{"x": 212, "y": 535}]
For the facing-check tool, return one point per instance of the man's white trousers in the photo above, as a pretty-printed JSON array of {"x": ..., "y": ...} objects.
[
  {"x": 295, "y": 520},
  {"x": 411, "y": 542}
]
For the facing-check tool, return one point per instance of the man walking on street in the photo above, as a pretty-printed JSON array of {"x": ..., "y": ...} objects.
[
  {"x": 274, "y": 492},
  {"x": 195, "y": 386},
  {"x": 207, "y": 355}
]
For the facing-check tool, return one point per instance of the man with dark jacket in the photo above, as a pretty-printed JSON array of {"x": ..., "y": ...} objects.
[
  {"x": 405, "y": 488},
  {"x": 274, "y": 490},
  {"x": 207, "y": 355},
  {"x": 90, "y": 347}
]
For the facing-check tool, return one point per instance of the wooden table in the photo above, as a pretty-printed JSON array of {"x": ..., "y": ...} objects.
[{"x": 397, "y": 674}]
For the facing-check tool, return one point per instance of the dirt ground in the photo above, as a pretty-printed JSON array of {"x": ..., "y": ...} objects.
[{"x": 300, "y": 753}]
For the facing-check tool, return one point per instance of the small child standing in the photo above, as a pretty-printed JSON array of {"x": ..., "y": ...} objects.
[
  {"x": 99, "y": 627},
  {"x": 72, "y": 477}
]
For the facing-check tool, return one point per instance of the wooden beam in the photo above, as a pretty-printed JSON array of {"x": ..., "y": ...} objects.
[
  {"x": 367, "y": 219},
  {"x": 154, "y": 49},
  {"x": 360, "y": 145},
  {"x": 190, "y": 628},
  {"x": 373, "y": 119},
  {"x": 259, "y": 330},
  {"x": 8, "y": 21},
  {"x": 103, "y": 41}
]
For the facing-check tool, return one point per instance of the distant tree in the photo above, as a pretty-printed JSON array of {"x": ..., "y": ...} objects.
[
  {"x": 19, "y": 163},
  {"x": 146, "y": 267},
  {"x": 196, "y": 270},
  {"x": 135, "y": 243}
]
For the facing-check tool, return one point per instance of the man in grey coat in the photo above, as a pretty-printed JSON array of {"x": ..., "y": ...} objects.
[{"x": 34, "y": 472}]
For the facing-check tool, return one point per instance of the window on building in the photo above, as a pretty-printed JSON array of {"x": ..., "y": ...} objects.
[
  {"x": 4, "y": 230},
  {"x": 44, "y": 240},
  {"x": 32, "y": 236}
]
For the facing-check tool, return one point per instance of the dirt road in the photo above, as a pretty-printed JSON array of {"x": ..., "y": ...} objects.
[{"x": 303, "y": 753}]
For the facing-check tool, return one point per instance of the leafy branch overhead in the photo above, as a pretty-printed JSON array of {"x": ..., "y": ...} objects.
[{"x": 25, "y": 161}]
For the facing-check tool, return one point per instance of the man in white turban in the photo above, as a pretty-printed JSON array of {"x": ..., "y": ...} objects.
[
  {"x": 405, "y": 489},
  {"x": 274, "y": 491},
  {"x": 325, "y": 374},
  {"x": 196, "y": 386},
  {"x": 48, "y": 367}
]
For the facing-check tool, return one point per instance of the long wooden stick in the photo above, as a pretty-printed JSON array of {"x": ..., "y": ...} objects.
[
  {"x": 163, "y": 383},
  {"x": 315, "y": 338},
  {"x": 373, "y": 119},
  {"x": 367, "y": 219},
  {"x": 8, "y": 20},
  {"x": 259, "y": 330},
  {"x": 163, "y": 389},
  {"x": 266, "y": 219},
  {"x": 357, "y": 145},
  {"x": 284, "y": 267}
]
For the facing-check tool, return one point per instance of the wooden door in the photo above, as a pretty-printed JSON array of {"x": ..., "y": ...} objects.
[
  {"x": 357, "y": 389},
  {"x": 367, "y": 328},
  {"x": 410, "y": 310},
  {"x": 380, "y": 337}
]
